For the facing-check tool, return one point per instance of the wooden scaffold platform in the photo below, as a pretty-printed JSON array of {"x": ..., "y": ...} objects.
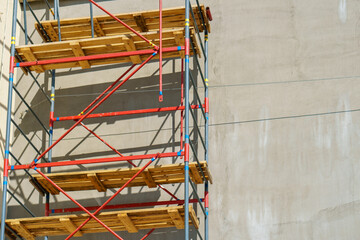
[{"x": 135, "y": 38}]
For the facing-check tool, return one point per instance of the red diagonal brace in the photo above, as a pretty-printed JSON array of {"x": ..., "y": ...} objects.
[
  {"x": 102, "y": 140},
  {"x": 107, "y": 89},
  {"x": 91, "y": 110},
  {"x": 73, "y": 200},
  {"x": 125, "y": 25},
  {"x": 115, "y": 194},
  {"x": 116, "y": 151},
  {"x": 167, "y": 191},
  {"x": 148, "y": 234},
  {"x": 97, "y": 99}
]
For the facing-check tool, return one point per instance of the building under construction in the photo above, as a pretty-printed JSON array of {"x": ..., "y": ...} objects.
[
  {"x": 131, "y": 41},
  {"x": 179, "y": 119}
]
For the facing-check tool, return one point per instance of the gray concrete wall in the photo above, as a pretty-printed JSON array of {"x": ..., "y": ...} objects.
[
  {"x": 6, "y": 8},
  {"x": 285, "y": 130},
  {"x": 284, "y": 119}
]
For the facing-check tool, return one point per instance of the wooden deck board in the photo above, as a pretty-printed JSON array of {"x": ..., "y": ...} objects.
[
  {"x": 126, "y": 220},
  {"x": 103, "y": 179},
  {"x": 80, "y": 28},
  {"x": 101, "y": 45}
]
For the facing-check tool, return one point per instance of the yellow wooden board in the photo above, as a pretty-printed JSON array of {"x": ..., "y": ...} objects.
[
  {"x": 103, "y": 179},
  {"x": 126, "y": 220},
  {"x": 102, "y": 45},
  {"x": 145, "y": 21}
]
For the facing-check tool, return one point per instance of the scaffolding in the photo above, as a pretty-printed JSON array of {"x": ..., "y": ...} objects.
[{"x": 136, "y": 38}]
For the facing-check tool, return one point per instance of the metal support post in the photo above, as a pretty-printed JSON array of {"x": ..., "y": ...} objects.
[
  {"x": 8, "y": 123},
  {"x": 91, "y": 20},
  {"x": 4, "y": 37},
  {"x": 187, "y": 112},
  {"x": 197, "y": 28},
  {"x": 51, "y": 129},
  {"x": 160, "y": 53},
  {"x": 206, "y": 70},
  {"x": 57, "y": 17},
  {"x": 25, "y": 24},
  {"x": 182, "y": 104},
  {"x": 52, "y": 109}
]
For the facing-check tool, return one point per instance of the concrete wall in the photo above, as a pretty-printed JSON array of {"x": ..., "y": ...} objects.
[
  {"x": 284, "y": 119},
  {"x": 6, "y": 8}
]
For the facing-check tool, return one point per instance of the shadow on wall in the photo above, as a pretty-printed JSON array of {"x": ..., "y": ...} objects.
[{"x": 136, "y": 93}]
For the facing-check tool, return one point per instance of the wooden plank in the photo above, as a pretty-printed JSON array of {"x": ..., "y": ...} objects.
[
  {"x": 97, "y": 28},
  {"x": 193, "y": 39},
  {"x": 48, "y": 186},
  {"x": 41, "y": 32},
  {"x": 132, "y": 221},
  {"x": 70, "y": 226},
  {"x": 140, "y": 22},
  {"x": 37, "y": 186},
  {"x": 148, "y": 179},
  {"x": 207, "y": 23},
  {"x": 144, "y": 21},
  {"x": 54, "y": 36},
  {"x": 78, "y": 52},
  {"x": 176, "y": 218},
  {"x": 95, "y": 46},
  {"x": 194, "y": 219},
  {"x": 31, "y": 57},
  {"x": 208, "y": 173},
  {"x": 22, "y": 230},
  {"x": 195, "y": 174},
  {"x": 180, "y": 41},
  {"x": 129, "y": 225},
  {"x": 130, "y": 46},
  {"x": 10, "y": 234},
  {"x": 96, "y": 181},
  {"x": 87, "y": 180}
]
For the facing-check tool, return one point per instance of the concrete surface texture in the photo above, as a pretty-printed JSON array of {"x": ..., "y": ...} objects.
[
  {"x": 5, "y": 34},
  {"x": 284, "y": 140}
]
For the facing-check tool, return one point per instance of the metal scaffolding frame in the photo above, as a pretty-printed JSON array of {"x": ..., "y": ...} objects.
[{"x": 187, "y": 108}]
